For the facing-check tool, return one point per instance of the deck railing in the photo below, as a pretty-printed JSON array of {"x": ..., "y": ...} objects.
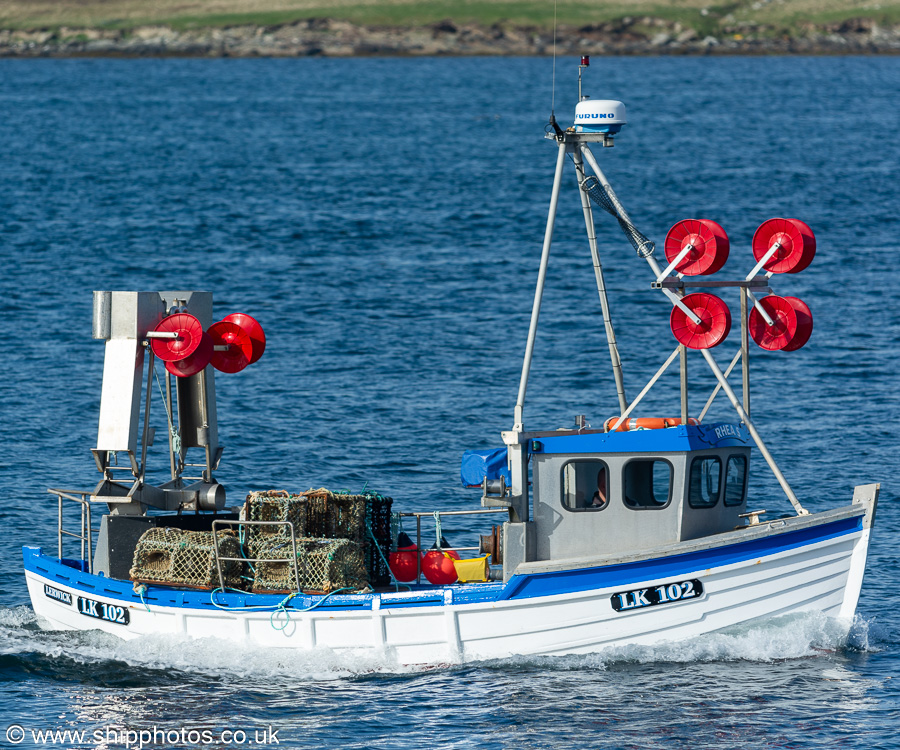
[
  {"x": 85, "y": 533},
  {"x": 437, "y": 516},
  {"x": 219, "y": 559}
]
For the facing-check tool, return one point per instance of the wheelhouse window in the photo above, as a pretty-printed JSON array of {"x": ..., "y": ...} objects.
[
  {"x": 585, "y": 485},
  {"x": 735, "y": 480},
  {"x": 647, "y": 483},
  {"x": 705, "y": 482}
]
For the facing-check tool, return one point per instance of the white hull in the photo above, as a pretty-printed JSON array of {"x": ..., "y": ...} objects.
[{"x": 823, "y": 576}]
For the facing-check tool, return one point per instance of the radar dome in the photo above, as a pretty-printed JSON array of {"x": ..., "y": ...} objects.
[{"x": 599, "y": 116}]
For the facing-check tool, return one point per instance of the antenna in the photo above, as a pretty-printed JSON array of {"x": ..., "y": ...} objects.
[
  {"x": 553, "y": 84},
  {"x": 552, "y": 120}
]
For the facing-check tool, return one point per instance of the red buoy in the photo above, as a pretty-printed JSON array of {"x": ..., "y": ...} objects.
[
  {"x": 189, "y": 335},
  {"x": 438, "y": 567},
  {"x": 191, "y": 365},
  {"x": 714, "y": 325},
  {"x": 797, "y": 245},
  {"x": 404, "y": 563},
  {"x": 253, "y": 330},
  {"x": 240, "y": 347},
  {"x": 709, "y": 246}
]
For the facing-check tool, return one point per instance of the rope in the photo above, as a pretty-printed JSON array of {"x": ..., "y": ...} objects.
[
  {"x": 437, "y": 528},
  {"x": 274, "y": 608},
  {"x": 378, "y": 496},
  {"x": 173, "y": 433},
  {"x": 141, "y": 589},
  {"x": 598, "y": 193},
  {"x": 381, "y": 554},
  {"x": 282, "y": 607},
  {"x": 396, "y": 528}
]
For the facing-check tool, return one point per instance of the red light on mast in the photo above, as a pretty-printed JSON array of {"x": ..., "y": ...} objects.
[{"x": 585, "y": 60}]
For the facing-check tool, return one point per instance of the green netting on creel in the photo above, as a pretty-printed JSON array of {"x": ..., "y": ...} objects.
[
  {"x": 320, "y": 513},
  {"x": 173, "y": 557},
  {"x": 365, "y": 519},
  {"x": 275, "y": 505},
  {"x": 332, "y": 516},
  {"x": 324, "y": 565}
]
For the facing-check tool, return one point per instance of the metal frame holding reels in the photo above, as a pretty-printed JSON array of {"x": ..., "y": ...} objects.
[
  {"x": 699, "y": 320},
  {"x": 177, "y": 329}
]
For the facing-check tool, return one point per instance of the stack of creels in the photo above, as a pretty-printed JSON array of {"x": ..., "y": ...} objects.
[
  {"x": 173, "y": 557},
  {"x": 364, "y": 519},
  {"x": 323, "y": 566},
  {"x": 274, "y": 506},
  {"x": 335, "y": 516}
]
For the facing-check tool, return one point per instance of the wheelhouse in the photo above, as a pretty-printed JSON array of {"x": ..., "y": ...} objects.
[{"x": 597, "y": 495}]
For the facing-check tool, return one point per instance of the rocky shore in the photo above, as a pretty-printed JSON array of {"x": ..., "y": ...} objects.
[{"x": 334, "y": 38}]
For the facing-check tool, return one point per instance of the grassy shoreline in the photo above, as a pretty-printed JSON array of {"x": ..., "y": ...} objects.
[
  {"x": 641, "y": 35},
  {"x": 787, "y": 17},
  {"x": 270, "y": 28}
]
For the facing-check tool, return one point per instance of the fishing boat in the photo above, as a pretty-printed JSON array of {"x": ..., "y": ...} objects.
[{"x": 638, "y": 531}]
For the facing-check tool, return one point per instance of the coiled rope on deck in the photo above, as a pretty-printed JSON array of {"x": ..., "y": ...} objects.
[{"x": 280, "y": 607}]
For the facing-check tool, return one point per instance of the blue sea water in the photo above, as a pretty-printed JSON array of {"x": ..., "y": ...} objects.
[{"x": 383, "y": 220}]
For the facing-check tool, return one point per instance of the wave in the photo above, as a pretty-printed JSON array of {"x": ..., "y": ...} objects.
[
  {"x": 25, "y": 648},
  {"x": 170, "y": 657}
]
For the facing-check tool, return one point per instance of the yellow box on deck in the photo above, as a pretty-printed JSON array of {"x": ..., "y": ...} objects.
[{"x": 473, "y": 569}]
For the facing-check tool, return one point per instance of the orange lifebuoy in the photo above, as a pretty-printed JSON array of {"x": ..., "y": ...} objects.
[{"x": 645, "y": 423}]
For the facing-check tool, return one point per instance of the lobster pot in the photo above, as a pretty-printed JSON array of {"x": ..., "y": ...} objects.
[
  {"x": 275, "y": 505},
  {"x": 378, "y": 518},
  {"x": 364, "y": 519},
  {"x": 173, "y": 557},
  {"x": 324, "y": 565},
  {"x": 332, "y": 516}
]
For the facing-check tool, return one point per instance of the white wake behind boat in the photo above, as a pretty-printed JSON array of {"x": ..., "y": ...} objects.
[{"x": 638, "y": 532}]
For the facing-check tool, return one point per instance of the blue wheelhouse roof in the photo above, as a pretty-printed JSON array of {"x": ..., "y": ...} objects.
[{"x": 667, "y": 440}]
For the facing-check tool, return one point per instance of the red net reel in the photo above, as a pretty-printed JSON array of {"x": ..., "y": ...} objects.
[
  {"x": 785, "y": 324},
  {"x": 191, "y": 365},
  {"x": 240, "y": 347},
  {"x": 709, "y": 246},
  {"x": 253, "y": 330},
  {"x": 791, "y": 324},
  {"x": 190, "y": 335},
  {"x": 714, "y": 325},
  {"x": 798, "y": 245},
  {"x": 804, "y": 324}
]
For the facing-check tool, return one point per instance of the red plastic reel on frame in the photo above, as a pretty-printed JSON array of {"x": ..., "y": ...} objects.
[
  {"x": 798, "y": 245},
  {"x": 710, "y": 246},
  {"x": 194, "y": 363},
  {"x": 240, "y": 348},
  {"x": 253, "y": 330},
  {"x": 190, "y": 335},
  {"x": 244, "y": 339},
  {"x": 714, "y": 325},
  {"x": 791, "y": 327},
  {"x": 804, "y": 324}
]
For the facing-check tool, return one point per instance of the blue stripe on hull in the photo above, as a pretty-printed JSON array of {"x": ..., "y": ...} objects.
[
  {"x": 626, "y": 574},
  {"x": 71, "y": 574}
]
